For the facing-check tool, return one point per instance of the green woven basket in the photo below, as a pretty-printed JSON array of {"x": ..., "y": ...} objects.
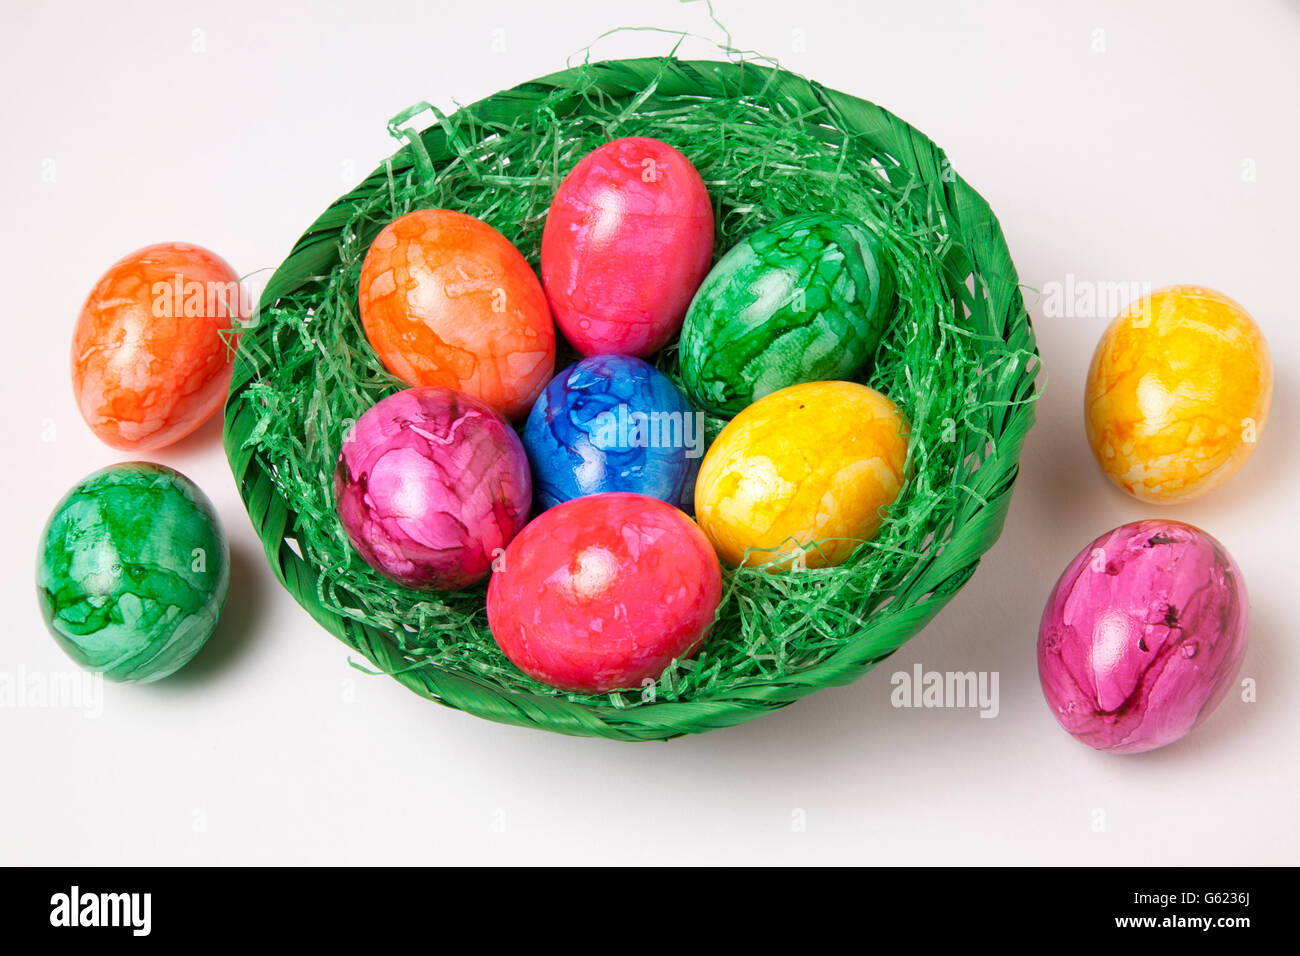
[{"x": 960, "y": 361}]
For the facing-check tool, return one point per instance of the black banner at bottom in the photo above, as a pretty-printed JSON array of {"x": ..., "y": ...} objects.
[{"x": 339, "y": 906}]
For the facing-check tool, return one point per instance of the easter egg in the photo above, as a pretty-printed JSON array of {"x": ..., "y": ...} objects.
[
  {"x": 614, "y": 423},
  {"x": 809, "y": 465},
  {"x": 132, "y": 572},
  {"x": 1142, "y": 636},
  {"x": 805, "y": 299},
  {"x": 604, "y": 592},
  {"x": 149, "y": 362},
  {"x": 431, "y": 484},
  {"x": 446, "y": 300},
  {"x": 1177, "y": 394},
  {"x": 627, "y": 242}
]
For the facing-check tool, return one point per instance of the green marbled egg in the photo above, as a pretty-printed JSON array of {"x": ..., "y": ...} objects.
[
  {"x": 805, "y": 299},
  {"x": 132, "y": 571}
]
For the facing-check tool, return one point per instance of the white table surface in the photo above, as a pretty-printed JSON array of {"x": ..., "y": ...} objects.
[{"x": 1136, "y": 142}]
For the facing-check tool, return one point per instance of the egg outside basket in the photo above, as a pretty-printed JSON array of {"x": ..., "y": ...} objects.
[{"x": 959, "y": 359}]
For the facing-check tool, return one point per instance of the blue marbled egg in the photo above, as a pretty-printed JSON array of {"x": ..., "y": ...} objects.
[{"x": 614, "y": 423}]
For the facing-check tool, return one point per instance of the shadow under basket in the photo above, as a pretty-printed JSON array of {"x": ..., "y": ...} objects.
[{"x": 959, "y": 358}]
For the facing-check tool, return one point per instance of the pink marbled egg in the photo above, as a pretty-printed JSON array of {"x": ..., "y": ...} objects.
[
  {"x": 432, "y": 484},
  {"x": 1142, "y": 636},
  {"x": 627, "y": 243}
]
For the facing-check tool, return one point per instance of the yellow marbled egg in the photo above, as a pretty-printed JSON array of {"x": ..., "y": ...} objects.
[
  {"x": 1177, "y": 394},
  {"x": 810, "y": 463}
]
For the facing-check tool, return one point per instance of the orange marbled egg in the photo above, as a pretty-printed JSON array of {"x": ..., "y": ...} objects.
[
  {"x": 151, "y": 357},
  {"x": 1177, "y": 394},
  {"x": 447, "y": 300}
]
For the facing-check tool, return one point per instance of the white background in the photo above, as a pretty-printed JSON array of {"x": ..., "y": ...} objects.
[{"x": 1121, "y": 142}]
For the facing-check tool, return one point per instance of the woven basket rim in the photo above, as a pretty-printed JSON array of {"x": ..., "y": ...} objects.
[{"x": 274, "y": 520}]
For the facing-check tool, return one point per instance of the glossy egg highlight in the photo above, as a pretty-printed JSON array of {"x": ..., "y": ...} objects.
[
  {"x": 812, "y": 464},
  {"x": 602, "y": 593},
  {"x": 446, "y": 300},
  {"x": 150, "y": 362},
  {"x": 1177, "y": 394},
  {"x": 431, "y": 485},
  {"x": 1142, "y": 636},
  {"x": 627, "y": 241}
]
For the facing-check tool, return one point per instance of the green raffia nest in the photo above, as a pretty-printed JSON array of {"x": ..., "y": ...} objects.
[{"x": 960, "y": 360}]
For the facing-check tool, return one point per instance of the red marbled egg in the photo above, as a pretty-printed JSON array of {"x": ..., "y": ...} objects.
[
  {"x": 603, "y": 592},
  {"x": 627, "y": 242}
]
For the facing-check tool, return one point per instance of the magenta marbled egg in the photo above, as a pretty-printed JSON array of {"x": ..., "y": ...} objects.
[
  {"x": 431, "y": 484},
  {"x": 626, "y": 245},
  {"x": 1142, "y": 636}
]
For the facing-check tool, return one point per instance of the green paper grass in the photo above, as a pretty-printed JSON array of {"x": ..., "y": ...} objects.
[{"x": 959, "y": 359}]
